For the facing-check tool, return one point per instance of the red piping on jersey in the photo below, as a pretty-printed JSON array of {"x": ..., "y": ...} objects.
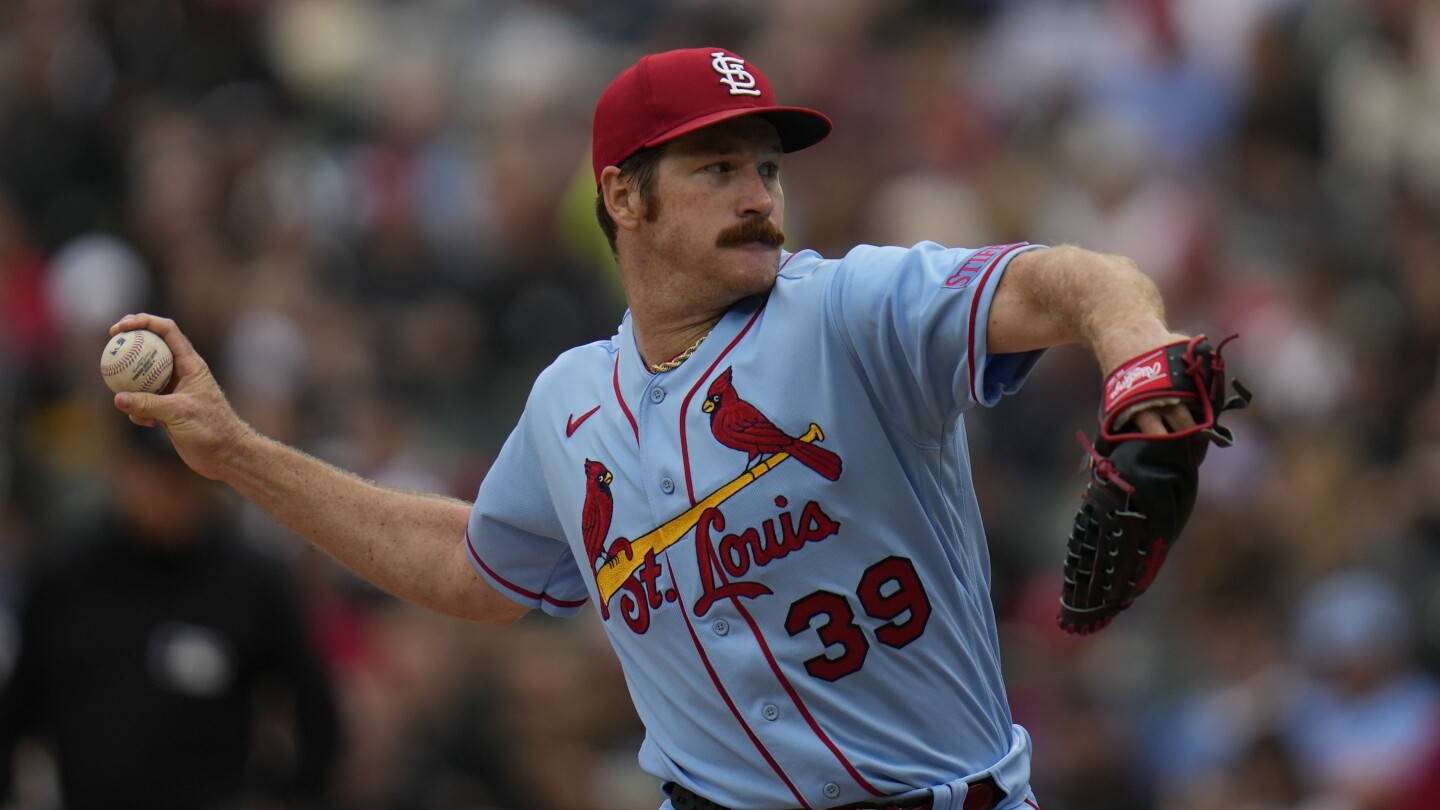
[
  {"x": 795, "y": 698},
  {"x": 539, "y": 597},
  {"x": 685, "y": 405},
  {"x": 615, "y": 379},
  {"x": 975, "y": 310},
  {"x": 739, "y": 718}
]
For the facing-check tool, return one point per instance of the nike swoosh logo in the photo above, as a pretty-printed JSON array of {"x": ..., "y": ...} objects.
[{"x": 572, "y": 424}]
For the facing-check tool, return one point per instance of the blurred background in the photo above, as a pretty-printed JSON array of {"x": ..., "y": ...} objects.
[{"x": 374, "y": 218}]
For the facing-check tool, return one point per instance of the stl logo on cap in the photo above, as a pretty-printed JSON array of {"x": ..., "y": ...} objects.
[{"x": 733, "y": 74}]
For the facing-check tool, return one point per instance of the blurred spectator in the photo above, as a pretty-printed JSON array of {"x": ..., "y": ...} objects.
[
  {"x": 1379, "y": 87},
  {"x": 1214, "y": 743},
  {"x": 164, "y": 664},
  {"x": 27, "y": 327},
  {"x": 1266, "y": 778},
  {"x": 1368, "y": 719}
]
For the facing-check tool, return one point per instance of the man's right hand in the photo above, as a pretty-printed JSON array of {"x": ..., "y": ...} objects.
[{"x": 195, "y": 413}]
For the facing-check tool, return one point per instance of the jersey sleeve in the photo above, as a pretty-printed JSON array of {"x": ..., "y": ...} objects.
[
  {"x": 514, "y": 538},
  {"x": 916, "y": 320}
]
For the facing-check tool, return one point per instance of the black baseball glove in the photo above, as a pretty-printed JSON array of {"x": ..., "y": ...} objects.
[{"x": 1142, "y": 487}]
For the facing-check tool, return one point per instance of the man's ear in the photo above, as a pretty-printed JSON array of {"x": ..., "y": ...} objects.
[{"x": 622, "y": 198}]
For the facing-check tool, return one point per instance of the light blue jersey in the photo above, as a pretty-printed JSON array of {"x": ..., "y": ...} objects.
[{"x": 781, "y": 534}]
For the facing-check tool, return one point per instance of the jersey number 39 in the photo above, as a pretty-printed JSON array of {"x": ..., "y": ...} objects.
[{"x": 889, "y": 590}]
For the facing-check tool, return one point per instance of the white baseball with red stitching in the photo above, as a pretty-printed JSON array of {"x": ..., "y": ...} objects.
[{"x": 137, "y": 361}]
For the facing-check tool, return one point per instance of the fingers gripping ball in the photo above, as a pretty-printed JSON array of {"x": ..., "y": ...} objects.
[
  {"x": 137, "y": 361},
  {"x": 1142, "y": 487}
]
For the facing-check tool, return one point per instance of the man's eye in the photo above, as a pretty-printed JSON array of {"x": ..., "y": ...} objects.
[
  {"x": 770, "y": 170},
  {"x": 718, "y": 168}
]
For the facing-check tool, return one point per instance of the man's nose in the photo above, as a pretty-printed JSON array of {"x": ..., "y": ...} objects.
[{"x": 758, "y": 198}]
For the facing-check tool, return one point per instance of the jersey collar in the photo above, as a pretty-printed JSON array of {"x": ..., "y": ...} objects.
[{"x": 634, "y": 377}]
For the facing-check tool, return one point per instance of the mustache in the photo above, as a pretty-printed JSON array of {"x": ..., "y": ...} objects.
[{"x": 749, "y": 232}]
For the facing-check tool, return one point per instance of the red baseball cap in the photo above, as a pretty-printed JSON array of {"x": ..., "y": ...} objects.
[{"x": 666, "y": 95}]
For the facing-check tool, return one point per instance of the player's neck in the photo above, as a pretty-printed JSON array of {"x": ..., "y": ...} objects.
[
  {"x": 667, "y": 317},
  {"x": 671, "y": 311},
  {"x": 669, "y": 343}
]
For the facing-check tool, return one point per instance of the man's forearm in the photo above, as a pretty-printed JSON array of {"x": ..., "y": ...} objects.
[
  {"x": 408, "y": 543},
  {"x": 405, "y": 542},
  {"x": 1066, "y": 294}
]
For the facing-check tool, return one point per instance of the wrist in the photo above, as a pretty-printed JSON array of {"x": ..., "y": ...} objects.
[
  {"x": 240, "y": 451},
  {"x": 1118, "y": 344}
]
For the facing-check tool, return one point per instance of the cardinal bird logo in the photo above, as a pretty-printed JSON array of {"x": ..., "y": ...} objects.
[
  {"x": 740, "y": 426},
  {"x": 599, "y": 508}
]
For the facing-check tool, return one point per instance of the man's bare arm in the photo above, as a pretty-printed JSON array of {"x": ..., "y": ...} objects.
[
  {"x": 1066, "y": 294},
  {"x": 408, "y": 543}
]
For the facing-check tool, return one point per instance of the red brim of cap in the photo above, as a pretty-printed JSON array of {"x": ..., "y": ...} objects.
[{"x": 798, "y": 127}]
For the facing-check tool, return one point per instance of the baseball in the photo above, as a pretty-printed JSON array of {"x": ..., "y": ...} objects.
[{"x": 137, "y": 360}]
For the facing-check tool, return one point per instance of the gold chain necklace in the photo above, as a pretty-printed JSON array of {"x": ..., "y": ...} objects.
[{"x": 674, "y": 362}]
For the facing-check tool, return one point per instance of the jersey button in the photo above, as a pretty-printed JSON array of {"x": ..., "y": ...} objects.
[
  {"x": 657, "y": 395},
  {"x": 667, "y": 486},
  {"x": 721, "y": 627},
  {"x": 831, "y": 790},
  {"x": 772, "y": 712}
]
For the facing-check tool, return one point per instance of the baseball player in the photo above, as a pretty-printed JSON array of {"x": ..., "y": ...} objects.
[{"x": 761, "y": 482}]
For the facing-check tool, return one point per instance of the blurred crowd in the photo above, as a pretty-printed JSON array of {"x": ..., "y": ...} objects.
[{"x": 374, "y": 218}]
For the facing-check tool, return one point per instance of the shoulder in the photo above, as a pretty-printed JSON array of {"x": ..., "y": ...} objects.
[
  {"x": 873, "y": 260},
  {"x": 870, "y": 274},
  {"x": 810, "y": 263},
  {"x": 577, "y": 366},
  {"x": 809, "y": 271},
  {"x": 583, "y": 374}
]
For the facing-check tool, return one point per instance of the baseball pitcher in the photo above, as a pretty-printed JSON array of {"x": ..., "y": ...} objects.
[{"x": 761, "y": 482}]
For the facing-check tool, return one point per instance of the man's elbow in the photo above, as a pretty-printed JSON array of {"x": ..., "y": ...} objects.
[
  {"x": 500, "y": 615},
  {"x": 478, "y": 601}
]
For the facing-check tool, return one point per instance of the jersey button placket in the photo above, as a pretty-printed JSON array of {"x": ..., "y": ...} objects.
[
  {"x": 657, "y": 395},
  {"x": 831, "y": 790},
  {"x": 721, "y": 627},
  {"x": 771, "y": 712},
  {"x": 667, "y": 486}
]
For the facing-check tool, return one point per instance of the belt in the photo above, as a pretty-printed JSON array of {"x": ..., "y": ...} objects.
[{"x": 983, "y": 794}]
